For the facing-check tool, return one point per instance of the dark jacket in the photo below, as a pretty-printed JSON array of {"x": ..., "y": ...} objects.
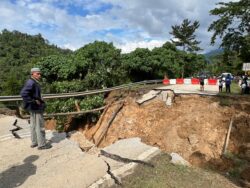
[
  {"x": 228, "y": 80},
  {"x": 30, "y": 93}
]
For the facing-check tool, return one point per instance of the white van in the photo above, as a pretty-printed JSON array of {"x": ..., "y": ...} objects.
[{"x": 224, "y": 75}]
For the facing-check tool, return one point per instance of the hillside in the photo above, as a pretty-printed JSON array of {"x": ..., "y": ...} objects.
[
  {"x": 214, "y": 53},
  {"x": 18, "y": 53}
]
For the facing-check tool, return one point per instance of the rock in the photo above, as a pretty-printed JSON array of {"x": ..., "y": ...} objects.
[
  {"x": 84, "y": 143},
  {"x": 167, "y": 96},
  {"x": 193, "y": 139},
  {"x": 177, "y": 159},
  {"x": 129, "y": 120}
]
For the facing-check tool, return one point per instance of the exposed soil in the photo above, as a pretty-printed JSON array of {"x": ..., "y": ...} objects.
[{"x": 194, "y": 126}]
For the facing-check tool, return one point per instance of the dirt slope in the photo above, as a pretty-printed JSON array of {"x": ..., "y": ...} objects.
[{"x": 194, "y": 126}]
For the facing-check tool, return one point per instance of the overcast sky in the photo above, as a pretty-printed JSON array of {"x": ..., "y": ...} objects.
[{"x": 127, "y": 23}]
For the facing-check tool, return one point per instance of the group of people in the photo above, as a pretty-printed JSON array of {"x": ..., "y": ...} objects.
[
  {"x": 245, "y": 86},
  {"x": 227, "y": 81}
]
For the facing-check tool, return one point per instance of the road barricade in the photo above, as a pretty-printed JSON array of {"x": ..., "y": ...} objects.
[
  {"x": 212, "y": 81},
  {"x": 172, "y": 81},
  {"x": 187, "y": 81},
  {"x": 166, "y": 81},
  {"x": 195, "y": 81},
  {"x": 179, "y": 81}
]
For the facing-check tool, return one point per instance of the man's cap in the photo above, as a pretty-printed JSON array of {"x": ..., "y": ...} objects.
[{"x": 35, "y": 70}]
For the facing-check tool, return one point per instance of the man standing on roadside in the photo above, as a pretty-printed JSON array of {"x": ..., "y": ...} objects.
[
  {"x": 228, "y": 83},
  {"x": 201, "y": 83},
  {"x": 33, "y": 102}
]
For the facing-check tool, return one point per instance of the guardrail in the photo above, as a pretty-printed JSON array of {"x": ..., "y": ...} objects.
[{"x": 84, "y": 93}]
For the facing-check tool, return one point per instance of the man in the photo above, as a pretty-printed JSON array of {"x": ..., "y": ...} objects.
[
  {"x": 228, "y": 83},
  {"x": 220, "y": 85},
  {"x": 202, "y": 83},
  {"x": 33, "y": 102}
]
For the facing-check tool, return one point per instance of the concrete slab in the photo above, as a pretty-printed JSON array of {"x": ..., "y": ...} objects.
[
  {"x": 131, "y": 148},
  {"x": 148, "y": 96},
  {"x": 65, "y": 164}
]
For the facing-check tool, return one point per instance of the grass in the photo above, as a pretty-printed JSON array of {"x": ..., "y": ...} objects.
[
  {"x": 235, "y": 89},
  {"x": 229, "y": 99},
  {"x": 239, "y": 165},
  {"x": 166, "y": 175}
]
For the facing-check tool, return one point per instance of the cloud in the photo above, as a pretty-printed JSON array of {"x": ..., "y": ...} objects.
[
  {"x": 131, "y": 46},
  {"x": 128, "y": 24}
]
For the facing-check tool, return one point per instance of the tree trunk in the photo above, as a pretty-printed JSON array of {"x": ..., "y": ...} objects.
[
  {"x": 183, "y": 66},
  {"x": 182, "y": 72}
]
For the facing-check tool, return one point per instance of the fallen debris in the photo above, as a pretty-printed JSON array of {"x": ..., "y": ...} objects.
[
  {"x": 194, "y": 125},
  {"x": 165, "y": 95},
  {"x": 148, "y": 96},
  {"x": 101, "y": 132},
  {"x": 177, "y": 159}
]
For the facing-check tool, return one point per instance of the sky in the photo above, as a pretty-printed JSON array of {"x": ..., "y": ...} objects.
[{"x": 128, "y": 24}]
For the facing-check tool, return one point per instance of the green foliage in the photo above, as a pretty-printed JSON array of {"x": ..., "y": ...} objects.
[
  {"x": 143, "y": 64},
  {"x": 18, "y": 53},
  {"x": 58, "y": 68},
  {"x": 95, "y": 65},
  {"x": 13, "y": 81},
  {"x": 227, "y": 61},
  {"x": 68, "y": 105},
  {"x": 66, "y": 86},
  {"x": 185, "y": 36},
  {"x": 100, "y": 65},
  {"x": 138, "y": 64},
  {"x": 91, "y": 102},
  {"x": 233, "y": 26}
]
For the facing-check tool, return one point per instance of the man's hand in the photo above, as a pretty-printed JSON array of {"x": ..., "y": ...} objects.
[{"x": 38, "y": 102}]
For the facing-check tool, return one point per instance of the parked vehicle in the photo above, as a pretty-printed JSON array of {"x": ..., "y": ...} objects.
[{"x": 224, "y": 75}]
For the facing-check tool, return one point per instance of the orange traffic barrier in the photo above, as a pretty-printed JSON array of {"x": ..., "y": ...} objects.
[
  {"x": 195, "y": 81},
  {"x": 166, "y": 81},
  {"x": 179, "y": 81},
  {"x": 212, "y": 81}
]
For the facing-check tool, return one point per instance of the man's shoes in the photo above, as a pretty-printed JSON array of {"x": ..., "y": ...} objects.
[
  {"x": 33, "y": 145},
  {"x": 47, "y": 146}
]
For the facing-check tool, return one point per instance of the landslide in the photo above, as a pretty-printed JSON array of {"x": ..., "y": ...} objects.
[{"x": 194, "y": 126}]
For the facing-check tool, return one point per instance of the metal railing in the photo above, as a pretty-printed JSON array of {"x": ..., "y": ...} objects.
[{"x": 84, "y": 93}]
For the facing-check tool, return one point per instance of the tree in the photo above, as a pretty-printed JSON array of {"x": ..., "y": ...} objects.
[
  {"x": 184, "y": 37},
  {"x": 138, "y": 64},
  {"x": 100, "y": 64},
  {"x": 233, "y": 26},
  {"x": 19, "y": 52}
]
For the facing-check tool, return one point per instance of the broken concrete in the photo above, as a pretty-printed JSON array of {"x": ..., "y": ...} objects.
[
  {"x": 148, "y": 96},
  {"x": 177, "y": 159},
  {"x": 65, "y": 164}
]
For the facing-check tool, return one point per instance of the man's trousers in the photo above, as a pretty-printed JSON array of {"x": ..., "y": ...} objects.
[{"x": 37, "y": 128}]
